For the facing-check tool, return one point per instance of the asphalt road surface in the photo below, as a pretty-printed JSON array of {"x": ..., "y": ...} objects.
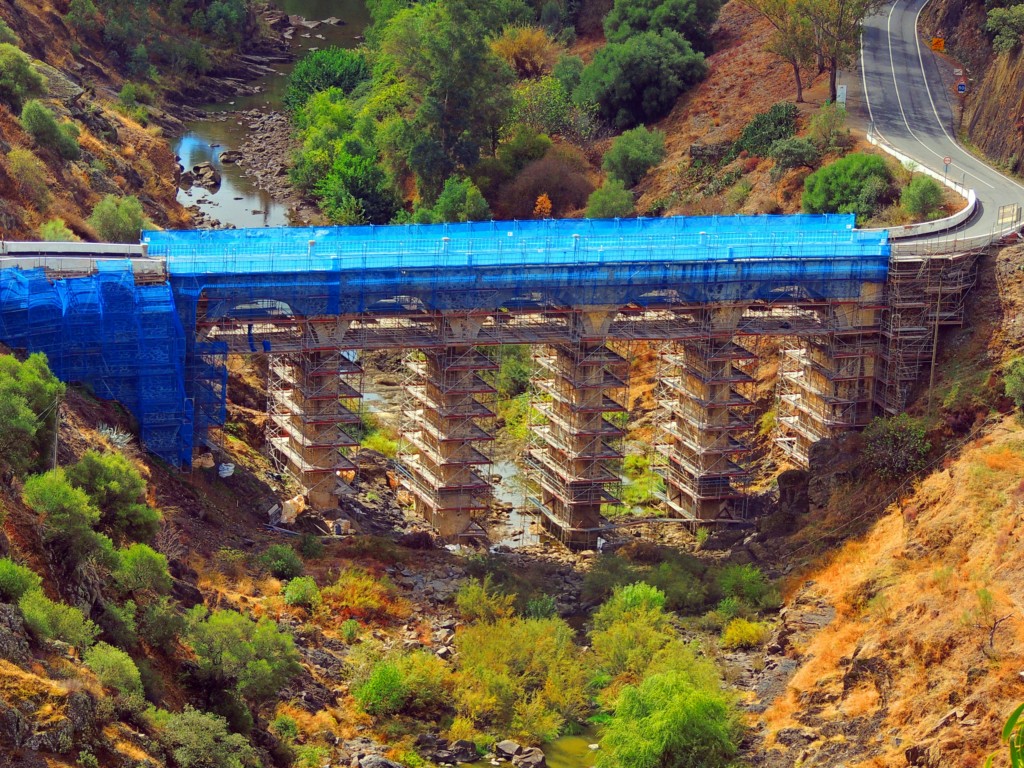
[{"x": 910, "y": 96}]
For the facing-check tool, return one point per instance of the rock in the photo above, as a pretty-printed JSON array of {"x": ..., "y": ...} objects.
[
  {"x": 13, "y": 640},
  {"x": 229, "y": 157},
  {"x": 709, "y": 153},
  {"x": 416, "y": 540},
  {"x": 376, "y": 761},
  {"x": 205, "y": 175},
  {"x": 795, "y": 737},
  {"x": 507, "y": 749},
  {"x": 464, "y": 751},
  {"x": 722, "y": 540},
  {"x": 444, "y": 652},
  {"x": 531, "y": 757},
  {"x": 186, "y": 593}
]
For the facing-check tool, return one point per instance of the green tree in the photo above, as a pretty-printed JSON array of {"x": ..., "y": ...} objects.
[
  {"x": 48, "y": 620},
  {"x": 56, "y": 231},
  {"x": 460, "y": 200},
  {"x": 142, "y": 570},
  {"x": 1013, "y": 381},
  {"x": 856, "y": 184},
  {"x": 117, "y": 488},
  {"x": 639, "y": 81},
  {"x": 922, "y": 197},
  {"x": 8, "y": 35},
  {"x": 357, "y": 183},
  {"x": 897, "y": 446},
  {"x": 29, "y": 395},
  {"x": 837, "y": 28},
  {"x": 1006, "y": 26},
  {"x": 633, "y": 153},
  {"x": 692, "y": 19},
  {"x": 39, "y": 122},
  {"x": 118, "y": 220},
  {"x": 83, "y": 15},
  {"x": 568, "y": 70},
  {"x": 792, "y": 153},
  {"x": 16, "y": 580},
  {"x": 29, "y": 173},
  {"x": 115, "y": 669},
  {"x": 199, "y": 739},
  {"x": 610, "y": 201},
  {"x": 282, "y": 561},
  {"x": 18, "y": 80},
  {"x": 325, "y": 68},
  {"x": 66, "y": 512},
  {"x": 792, "y": 39}
]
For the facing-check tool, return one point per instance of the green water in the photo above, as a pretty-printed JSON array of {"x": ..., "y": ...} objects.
[{"x": 566, "y": 752}]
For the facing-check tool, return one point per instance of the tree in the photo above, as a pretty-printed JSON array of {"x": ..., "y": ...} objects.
[
  {"x": 322, "y": 69},
  {"x": 542, "y": 208},
  {"x": 118, "y": 220},
  {"x": 115, "y": 669},
  {"x": 29, "y": 395},
  {"x": 66, "y": 512},
  {"x": 201, "y": 740},
  {"x": 83, "y": 15},
  {"x": 1006, "y": 26},
  {"x": 29, "y": 173},
  {"x": 18, "y": 80},
  {"x": 922, "y": 197},
  {"x": 39, "y": 122},
  {"x": 56, "y": 231},
  {"x": 48, "y": 620},
  {"x": 692, "y": 19},
  {"x": 8, "y": 35},
  {"x": 460, "y": 200},
  {"x": 633, "y": 153},
  {"x": 16, "y": 580},
  {"x": 115, "y": 486},
  {"x": 529, "y": 51},
  {"x": 793, "y": 37},
  {"x": 357, "y": 182},
  {"x": 792, "y": 153},
  {"x": 142, "y": 570},
  {"x": 560, "y": 175},
  {"x": 896, "y": 447},
  {"x": 1013, "y": 381},
  {"x": 853, "y": 184},
  {"x": 610, "y": 201},
  {"x": 837, "y": 24},
  {"x": 639, "y": 81}
]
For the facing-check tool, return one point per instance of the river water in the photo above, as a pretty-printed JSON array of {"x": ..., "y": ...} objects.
[{"x": 239, "y": 201}]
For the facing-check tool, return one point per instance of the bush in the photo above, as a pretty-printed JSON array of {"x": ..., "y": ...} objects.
[
  {"x": 48, "y": 620},
  {"x": 792, "y": 153},
  {"x": 7, "y": 35},
  {"x": 115, "y": 669},
  {"x": 378, "y": 441},
  {"x": 18, "y": 80},
  {"x": 460, "y": 200},
  {"x": 759, "y": 134},
  {"x": 358, "y": 594},
  {"x": 856, "y": 184},
  {"x": 529, "y": 51},
  {"x": 745, "y": 582},
  {"x": 82, "y": 14},
  {"x": 350, "y": 631},
  {"x": 320, "y": 70},
  {"x": 568, "y": 70},
  {"x": 1013, "y": 381},
  {"x": 282, "y": 561},
  {"x": 16, "y": 580},
  {"x": 1006, "y": 26},
  {"x": 560, "y": 175},
  {"x": 610, "y": 201},
  {"x": 633, "y": 153},
  {"x": 285, "y": 728},
  {"x": 56, "y": 231},
  {"x": 741, "y": 633},
  {"x": 303, "y": 592},
  {"x": 161, "y": 623},
  {"x": 28, "y": 394},
  {"x": 639, "y": 81},
  {"x": 827, "y": 127},
  {"x": 40, "y": 123},
  {"x": 922, "y": 197},
  {"x": 66, "y": 511},
  {"x": 29, "y": 173},
  {"x": 201, "y": 740},
  {"x": 690, "y": 18},
  {"x": 385, "y": 692},
  {"x": 896, "y": 446},
  {"x": 118, "y": 220},
  {"x": 541, "y": 607},
  {"x": 117, "y": 488},
  {"x": 311, "y": 546},
  {"x": 141, "y": 569},
  {"x": 479, "y": 601},
  {"x": 355, "y": 191}
]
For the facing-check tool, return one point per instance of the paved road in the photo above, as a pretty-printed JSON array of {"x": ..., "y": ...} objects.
[{"x": 910, "y": 95}]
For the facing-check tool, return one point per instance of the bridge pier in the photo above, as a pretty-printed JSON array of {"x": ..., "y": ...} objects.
[
  {"x": 446, "y": 407},
  {"x": 707, "y": 414}
]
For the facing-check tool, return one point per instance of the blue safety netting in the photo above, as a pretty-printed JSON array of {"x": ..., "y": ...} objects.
[{"x": 121, "y": 340}]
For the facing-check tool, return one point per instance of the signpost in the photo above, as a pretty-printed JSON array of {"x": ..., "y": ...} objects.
[
  {"x": 961, "y": 86},
  {"x": 841, "y": 95},
  {"x": 939, "y": 44}
]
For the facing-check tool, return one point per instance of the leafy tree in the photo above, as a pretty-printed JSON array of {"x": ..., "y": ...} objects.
[
  {"x": 142, "y": 570},
  {"x": 633, "y": 153},
  {"x": 692, "y": 19},
  {"x": 560, "y": 175},
  {"x": 529, "y": 51},
  {"x": 29, "y": 394},
  {"x": 922, "y": 197},
  {"x": 837, "y": 26},
  {"x": 460, "y": 200},
  {"x": 827, "y": 127},
  {"x": 118, "y": 220},
  {"x": 897, "y": 446},
  {"x": 282, "y": 561},
  {"x": 115, "y": 669},
  {"x": 83, "y": 15},
  {"x": 199, "y": 739},
  {"x": 116, "y": 487},
  {"x": 1013, "y": 381},
  {"x": 161, "y": 623},
  {"x": 1007, "y": 27},
  {"x": 610, "y": 201},
  {"x": 67, "y": 512},
  {"x": 357, "y": 183},
  {"x": 544, "y": 106},
  {"x": 16, "y": 580},
  {"x": 793, "y": 38},
  {"x": 639, "y": 81},
  {"x": 56, "y": 231},
  {"x": 765, "y": 128},
  {"x": 853, "y": 184},
  {"x": 256, "y": 659},
  {"x": 792, "y": 153},
  {"x": 48, "y": 620},
  {"x": 325, "y": 68},
  {"x": 39, "y": 122},
  {"x": 567, "y": 71},
  {"x": 18, "y": 80}
]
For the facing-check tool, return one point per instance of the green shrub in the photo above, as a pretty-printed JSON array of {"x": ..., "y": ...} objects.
[
  {"x": 568, "y": 70},
  {"x": 541, "y": 607},
  {"x": 40, "y": 123},
  {"x": 311, "y": 756},
  {"x": 302, "y": 591},
  {"x": 7, "y": 35},
  {"x": 141, "y": 569},
  {"x": 311, "y": 546},
  {"x": 16, "y": 580},
  {"x": 744, "y": 582},
  {"x": 792, "y": 153},
  {"x": 766, "y": 128},
  {"x": 479, "y": 601},
  {"x": 922, "y": 197},
  {"x": 282, "y": 561},
  {"x": 896, "y": 446},
  {"x": 693, "y": 20},
  {"x": 633, "y": 153},
  {"x": 1013, "y": 381},
  {"x": 161, "y": 623},
  {"x": 460, "y": 200},
  {"x": 385, "y": 692},
  {"x": 640, "y": 80},
  {"x": 56, "y": 231},
  {"x": 18, "y": 80},
  {"x": 856, "y": 184},
  {"x": 29, "y": 173},
  {"x": 118, "y": 220},
  {"x": 83, "y": 15},
  {"x": 609, "y": 572},
  {"x": 115, "y": 669},
  {"x": 356, "y": 190},
  {"x": 67, "y": 514},
  {"x": 827, "y": 127},
  {"x": 48, "y": 620},
  {"x": 285, "y": 728},
  {"x": 1006, "y": 26},
  {"x": 350, "y": 631},
  {"x": 359, "y": 594},
  {"x": 116, "y": 487},
  {"x": 741, "y": 633},
  {"x": 199, "y": 739},
  {"x": 87, "y": 759},
  {"x": 28, "y": 393},
  {"x": 610, "y": 201},
  {"x": 319, "y": 70},
  {"x": 684, "y": 591}
]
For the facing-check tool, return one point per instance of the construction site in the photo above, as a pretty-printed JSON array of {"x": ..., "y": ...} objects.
[{"x": 857, "y": 324}]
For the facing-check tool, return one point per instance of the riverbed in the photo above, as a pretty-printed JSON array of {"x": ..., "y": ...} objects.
[{"x": 239, "y": 202}]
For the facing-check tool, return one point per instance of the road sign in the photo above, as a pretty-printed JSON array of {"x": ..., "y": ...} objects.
[
  {"x": 947, "y": 159},
  {"x": 958, "y": 72},
  {"x": 961, "y": 87},
  {"x": 841, "y": 94},
  {"x": 938, "y": 43}
]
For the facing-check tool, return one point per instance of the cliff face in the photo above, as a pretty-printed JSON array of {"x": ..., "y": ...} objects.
[{"x": 993, "y": 118}]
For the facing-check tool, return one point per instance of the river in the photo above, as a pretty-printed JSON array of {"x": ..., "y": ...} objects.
[{"x": 238, "y": 201}]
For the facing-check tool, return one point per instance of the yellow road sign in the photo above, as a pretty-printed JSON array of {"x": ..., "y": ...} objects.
[{"x": 938, "y": 43}]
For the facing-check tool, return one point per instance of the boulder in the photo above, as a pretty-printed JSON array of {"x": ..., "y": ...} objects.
[
  {"x": 13, "y": 640},
  {"x": 507, "y": 749},
  {"x": 230, "y": 156},
  {"x": 531, "y": 757},
  {"x": 709, "y": 153},
  {"x": 376, "y": 761},
  {"x": 416, "y": 540},
  {"x": 464, "y": 751}
]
